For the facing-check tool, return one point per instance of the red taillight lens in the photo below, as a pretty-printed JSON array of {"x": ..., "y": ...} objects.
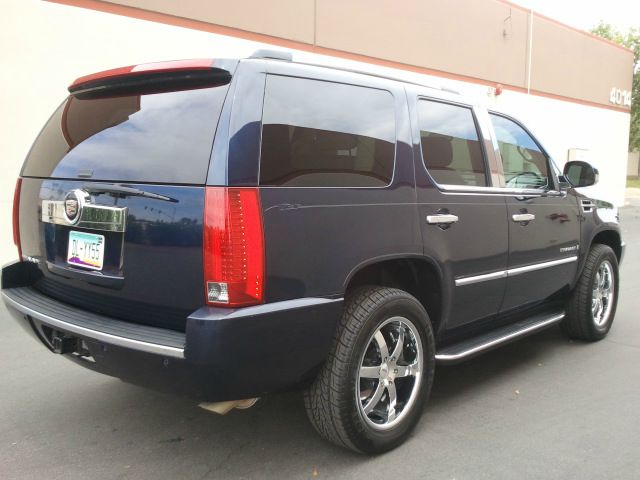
[
  {"x": 233, "y": 249},
  {"x": 16, "y": 217}
]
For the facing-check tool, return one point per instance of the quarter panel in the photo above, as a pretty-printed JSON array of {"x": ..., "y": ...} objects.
[{"x": 316, "y": 237}]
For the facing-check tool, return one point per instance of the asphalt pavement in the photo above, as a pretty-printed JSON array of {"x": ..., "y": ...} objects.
[{"x": 544, "y": 407}]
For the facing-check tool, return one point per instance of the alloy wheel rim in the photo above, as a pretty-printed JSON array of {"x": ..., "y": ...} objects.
[
  {"x": 603, "y": 292},
  {"x": 390, "y": 373}
]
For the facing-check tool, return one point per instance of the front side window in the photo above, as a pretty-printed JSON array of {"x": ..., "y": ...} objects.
[
  {"x": 525, "y": 166},
  {"x": 324, "y": 134},
  {"x": 450, "y": 146}
]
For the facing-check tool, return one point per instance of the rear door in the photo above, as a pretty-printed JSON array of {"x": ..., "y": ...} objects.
[
  {"x": 544, "y": 222},
  {"x": 113, "y": 196},
  {"x": 462, "y": 215}
]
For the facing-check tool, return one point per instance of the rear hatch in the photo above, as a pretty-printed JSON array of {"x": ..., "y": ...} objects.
[{"x": 113, "y": 190}]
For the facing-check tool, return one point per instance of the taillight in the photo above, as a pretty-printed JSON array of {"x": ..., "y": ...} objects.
[
  {"x": 233, "y": 248},
  {"x": 16, "y": 217}
]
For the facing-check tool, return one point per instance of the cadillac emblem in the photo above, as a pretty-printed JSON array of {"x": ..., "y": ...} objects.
[{"x": 73, "y": 206}]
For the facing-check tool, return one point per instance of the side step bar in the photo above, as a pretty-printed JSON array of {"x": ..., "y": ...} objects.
[{"x": 487, "y": 341}]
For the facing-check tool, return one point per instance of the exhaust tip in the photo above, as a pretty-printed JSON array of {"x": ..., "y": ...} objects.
[{"x": 222, "y": 408}]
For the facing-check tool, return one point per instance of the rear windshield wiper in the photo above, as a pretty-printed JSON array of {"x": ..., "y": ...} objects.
[{"x": 120, "y": 191}]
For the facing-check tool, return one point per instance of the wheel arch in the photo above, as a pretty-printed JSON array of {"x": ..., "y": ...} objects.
[
  {"x": 611, "y": 238},
  {"x": 418, "y": 275}
]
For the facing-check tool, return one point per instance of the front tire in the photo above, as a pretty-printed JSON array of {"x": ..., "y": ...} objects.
[
  {"x": 592, "y": 306},
  {"x": 371, "y": 391}
]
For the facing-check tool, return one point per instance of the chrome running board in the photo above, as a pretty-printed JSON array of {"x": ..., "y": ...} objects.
[{"x": 487, "y": 341}]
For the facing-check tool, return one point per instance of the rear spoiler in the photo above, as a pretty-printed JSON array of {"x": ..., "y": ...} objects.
[{"x": 150, "y": 78}]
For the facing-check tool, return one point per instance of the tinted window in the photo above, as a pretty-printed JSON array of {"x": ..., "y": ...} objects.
[
  {"x": 323, "y": 134},
  {"x": 164, "y": 138},
  {"x": 450, "y": 146},
  {"x": 525, "y": 166}
]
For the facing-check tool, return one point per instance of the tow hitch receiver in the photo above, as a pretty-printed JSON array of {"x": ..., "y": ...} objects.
[{"x": 63, "y": 344}]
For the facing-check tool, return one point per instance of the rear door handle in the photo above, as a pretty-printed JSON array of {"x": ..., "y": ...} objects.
[
  {"x": 442, "y": 219},
  {"x": 523, "y": 217}
]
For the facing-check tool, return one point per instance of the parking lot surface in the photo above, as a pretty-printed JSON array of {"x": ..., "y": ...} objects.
[{"x": 543, "y": 407}]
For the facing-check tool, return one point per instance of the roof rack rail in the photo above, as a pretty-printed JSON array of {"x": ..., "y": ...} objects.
[
  {"x": 445, "y": 88},
  {"x": 272, "y": 54}
]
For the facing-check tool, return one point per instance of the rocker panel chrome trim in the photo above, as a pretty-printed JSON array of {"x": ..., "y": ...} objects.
[
  {"x": 539, "y": 266},
  {"x": 480, "y": 278},
  {"x": 512, "y": 271}
]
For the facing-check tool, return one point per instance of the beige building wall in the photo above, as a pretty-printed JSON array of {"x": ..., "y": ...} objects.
[
  {"x": 578, "y": 66},
  {"x": 289, "y": 19},
  {"x": 463, "y": 37},
  {"x": 490, "y": 41}
]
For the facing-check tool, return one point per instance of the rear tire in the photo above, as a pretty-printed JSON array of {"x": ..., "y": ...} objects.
[
  {"x": 592, "y": 306},
  {"x": 378, "y": 375}
]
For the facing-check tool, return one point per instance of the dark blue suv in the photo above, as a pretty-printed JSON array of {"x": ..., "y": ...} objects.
[{"x": 226, "y": 229}]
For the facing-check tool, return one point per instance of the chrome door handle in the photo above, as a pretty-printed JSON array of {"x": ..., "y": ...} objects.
[
  {"x": 523, "y": 217},
  {"x": 442, "y": 219}
]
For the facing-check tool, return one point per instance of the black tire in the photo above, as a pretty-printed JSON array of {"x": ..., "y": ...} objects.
[
  {"x": 335, "y": 407},
  {"x": 580, "y": 322}
]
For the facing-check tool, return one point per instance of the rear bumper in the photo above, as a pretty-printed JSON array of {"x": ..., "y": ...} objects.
[{"x": 224, "y": 354}]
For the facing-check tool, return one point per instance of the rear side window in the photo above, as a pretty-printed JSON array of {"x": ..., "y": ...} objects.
[
  {"x": 450, "y": 146},
  {"x": 323, "y": 134},
  {"x": 525, "y": 166},
  {"x": 163, "y": 138}
]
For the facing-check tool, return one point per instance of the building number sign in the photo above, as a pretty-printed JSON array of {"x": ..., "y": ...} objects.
[{"x": 620, "y": 97}]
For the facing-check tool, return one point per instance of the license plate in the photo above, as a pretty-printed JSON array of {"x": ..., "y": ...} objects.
[{"x": 85, "y": 250}]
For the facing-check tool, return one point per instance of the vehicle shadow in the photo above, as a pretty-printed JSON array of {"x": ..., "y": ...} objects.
[
  {"x": 489, "y": 368},
  {"x": 152, "y": 435}
]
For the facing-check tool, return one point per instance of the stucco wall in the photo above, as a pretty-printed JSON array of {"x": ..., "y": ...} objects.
[{"x": 44, "y": 46}]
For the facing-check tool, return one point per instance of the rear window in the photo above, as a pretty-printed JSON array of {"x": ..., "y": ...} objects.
[
  {"x": 156, "y": 138},
  {"x": 324, "y": 134}
]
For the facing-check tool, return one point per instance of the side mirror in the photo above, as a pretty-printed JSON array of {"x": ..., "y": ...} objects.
[{"x": 580, "y": 174}]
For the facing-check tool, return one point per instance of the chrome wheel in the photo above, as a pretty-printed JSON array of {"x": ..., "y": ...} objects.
[
  {"x": 603, "y": 293},
  {"x": 390, "y": 373}
]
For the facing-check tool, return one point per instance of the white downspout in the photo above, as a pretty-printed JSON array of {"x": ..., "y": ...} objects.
[{"x": 530, "y": 49}]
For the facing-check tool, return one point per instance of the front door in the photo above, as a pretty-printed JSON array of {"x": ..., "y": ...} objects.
[{"x": 544, "y": 222}]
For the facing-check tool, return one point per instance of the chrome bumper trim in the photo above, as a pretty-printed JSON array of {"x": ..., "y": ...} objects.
[{"x": 125, "y": 342}]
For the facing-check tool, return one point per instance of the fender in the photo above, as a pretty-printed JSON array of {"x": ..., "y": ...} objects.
[{"x": 603, "y": 219}]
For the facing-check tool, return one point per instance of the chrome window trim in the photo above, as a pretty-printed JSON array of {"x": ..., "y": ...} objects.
[
  {"x": 512, "y": 272},
  {"x": 97, "y": 217},
  {"x": 493, "y": 190}
]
